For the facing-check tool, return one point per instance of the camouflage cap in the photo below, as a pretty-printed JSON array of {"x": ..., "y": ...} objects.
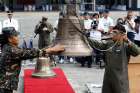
[
  {"x": 44, "y": 18},
  {"x": 120, "y": 29},
  {"x": 10, "y": 31}
]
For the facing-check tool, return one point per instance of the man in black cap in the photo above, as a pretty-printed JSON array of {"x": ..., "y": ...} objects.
[
  {"x": 117, "y": 55},
  {"x": 101, "y": 14},
  {"x": 43, "y": 28},
  {"x": 12, "y": 56}
]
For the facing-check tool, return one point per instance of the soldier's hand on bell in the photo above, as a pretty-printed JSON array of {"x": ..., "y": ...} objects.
[{"x": 55, "y": 49}]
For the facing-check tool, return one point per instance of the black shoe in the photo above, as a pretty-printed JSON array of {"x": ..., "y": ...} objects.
[
  {"x": 102, "y": 64},
  {"x": 82, "y": 65},
  {"x": 89, "y": 66}
]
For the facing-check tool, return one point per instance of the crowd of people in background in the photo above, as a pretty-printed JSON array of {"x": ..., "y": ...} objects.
[
  {"x": 96, "y": 25},
  {"x": 101, "y": 24}
]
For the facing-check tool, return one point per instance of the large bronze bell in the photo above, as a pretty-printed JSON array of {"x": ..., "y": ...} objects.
[
  {"x": 42, "y": 69},
  {"x": 69, "y": 36}
]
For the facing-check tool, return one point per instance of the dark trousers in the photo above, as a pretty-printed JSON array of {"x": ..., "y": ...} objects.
[
  {"x": 5, "y": 90},
  {"x": 137, "y": 42},
  {"x": 131, "y": 36},
  {"x": 83, "y": 60},
  {"x": 89, "y": 60},
  {"x": 61, "y": 57},
  {"x": 98, "y": 56}
]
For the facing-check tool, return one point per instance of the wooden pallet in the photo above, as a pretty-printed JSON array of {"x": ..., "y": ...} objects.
[{"x": 135, "y": 59}]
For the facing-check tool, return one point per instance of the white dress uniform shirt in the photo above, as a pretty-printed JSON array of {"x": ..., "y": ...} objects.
[
  {"x": 11, "y": 23},
  {"x": 105, "y": 23},
  {"x": 87, "y": 24},
  {"x": 137, "y": 35},
  {"x": 96, "y": 35},
  {"x": 0, "y": 28},
  {"x": 128, "y": 28}
]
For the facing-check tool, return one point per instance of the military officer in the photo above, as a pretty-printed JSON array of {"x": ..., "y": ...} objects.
[
  {"x": 11, "y": 22},
  {"x": 117, "y": 59},
  {"x": 44, "y": 29},
  {"x": 12, "y": 56}
]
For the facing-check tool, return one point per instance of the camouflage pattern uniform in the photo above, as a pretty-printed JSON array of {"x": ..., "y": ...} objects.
[
  {"x": 10, "y": 62},
  {"x": 44, "y": 36},
  {"x": 116, "y": 69}
]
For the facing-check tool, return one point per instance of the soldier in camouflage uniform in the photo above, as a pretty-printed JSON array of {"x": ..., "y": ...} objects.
[
  {"x": 117, "y": 59},
  {"x": 11, "y": 59},
  {"x": 43, "y": 29}
]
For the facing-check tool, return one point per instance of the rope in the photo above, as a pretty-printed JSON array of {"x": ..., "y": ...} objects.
[{"x": 105, "y": 50}]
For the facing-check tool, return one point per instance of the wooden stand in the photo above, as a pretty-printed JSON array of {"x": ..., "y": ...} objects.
[{"x": 134, "y": 74}]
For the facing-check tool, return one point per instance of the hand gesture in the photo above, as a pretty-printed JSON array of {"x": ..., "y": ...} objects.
[{"x": 125, "y": 38}]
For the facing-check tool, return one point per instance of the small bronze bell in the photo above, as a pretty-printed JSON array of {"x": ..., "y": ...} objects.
[{"x": 42, "y": 69}]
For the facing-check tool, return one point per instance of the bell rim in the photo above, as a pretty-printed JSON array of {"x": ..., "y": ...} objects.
[
  {"x": 76, "y": 54},
  {"x": 43, "y": 76}
]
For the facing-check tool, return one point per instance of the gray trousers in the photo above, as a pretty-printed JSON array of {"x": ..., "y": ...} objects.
[{"x": 21, "y": 81}]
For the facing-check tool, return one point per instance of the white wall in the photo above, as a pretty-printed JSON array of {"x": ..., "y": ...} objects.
[
  {"x": 138, "y": 4},
  {"x": 130, "y": 3}
]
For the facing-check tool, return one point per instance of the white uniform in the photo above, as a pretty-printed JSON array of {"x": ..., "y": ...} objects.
[
  {"x": 87, "y": 24},
  {"x": 95, "y": 35},
  {"x": 128, "y": 28},
  {"x": 104, "y": 24},
  {"x": 137, "y": 36},
  {"x": 11, "y": 23}
]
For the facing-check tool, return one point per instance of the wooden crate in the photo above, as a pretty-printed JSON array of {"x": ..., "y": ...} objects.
[
  {"x": 134, "y": 74},
  {"x": 135, "y": 59}
]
